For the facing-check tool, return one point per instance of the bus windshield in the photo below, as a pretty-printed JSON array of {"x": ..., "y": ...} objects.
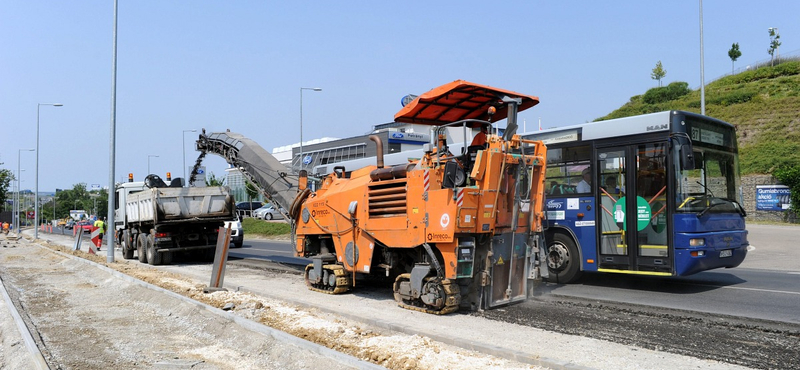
[{"x": 710, "y": 187}]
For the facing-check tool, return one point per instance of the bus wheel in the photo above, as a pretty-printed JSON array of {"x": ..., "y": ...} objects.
[{"x": 563, "y": 259}]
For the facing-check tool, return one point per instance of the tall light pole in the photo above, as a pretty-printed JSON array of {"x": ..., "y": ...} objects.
[
  {"x": 183, "y": 139},
  {"x": 702, "y": 67},
  {"x": 148, "y": 162},
  {"x": 112, "y": 142},
  {"x": 19, "y": 187},
  {"x": 301, "y": 120},
  {"x": 36, "y": 200}
]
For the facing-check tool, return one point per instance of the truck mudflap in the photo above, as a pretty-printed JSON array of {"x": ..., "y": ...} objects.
[{"x": 509, "y": 270}]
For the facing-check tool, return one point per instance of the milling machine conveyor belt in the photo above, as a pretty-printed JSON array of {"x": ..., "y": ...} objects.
[{"x": 255, "y": 162}]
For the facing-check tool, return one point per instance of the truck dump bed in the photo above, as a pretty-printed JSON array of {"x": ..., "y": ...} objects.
[{"x": 178, "y": 204}]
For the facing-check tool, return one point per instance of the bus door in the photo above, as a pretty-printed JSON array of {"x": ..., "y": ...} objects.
[{"x": 632, "y": 209}]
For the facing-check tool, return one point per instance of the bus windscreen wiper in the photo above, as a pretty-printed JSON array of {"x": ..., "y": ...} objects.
[{"x": 703, "y": 212}]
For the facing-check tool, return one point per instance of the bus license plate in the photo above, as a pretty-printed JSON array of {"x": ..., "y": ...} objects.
[{"x": 725, "y": 253}]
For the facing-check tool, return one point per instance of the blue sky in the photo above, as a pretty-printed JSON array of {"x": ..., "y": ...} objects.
[{"x": 239, "y": 65}]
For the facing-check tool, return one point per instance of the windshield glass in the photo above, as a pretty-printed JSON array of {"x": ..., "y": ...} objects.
[{"x": 712, "y": 186}]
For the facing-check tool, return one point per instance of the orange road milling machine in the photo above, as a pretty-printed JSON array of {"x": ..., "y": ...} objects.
[{"x": 451, "y": 230}]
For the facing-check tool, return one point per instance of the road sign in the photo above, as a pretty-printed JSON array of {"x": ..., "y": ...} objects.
[
  {"x": 31, "y": 215},
  {"x": 95, "y": 186}
]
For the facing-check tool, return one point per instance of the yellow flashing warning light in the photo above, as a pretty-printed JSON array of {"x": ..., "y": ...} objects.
[
  {"x": 169, "y": 176},
  {"x": 130, "y": 177}
]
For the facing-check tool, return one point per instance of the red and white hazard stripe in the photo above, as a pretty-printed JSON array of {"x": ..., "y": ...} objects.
[
  {"x": 460, "y": 198},
  {"x": 95, "y": 240},
  {"x": 426, "y": 180}
]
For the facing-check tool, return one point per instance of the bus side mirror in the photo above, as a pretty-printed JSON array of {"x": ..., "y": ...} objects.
[{"x": 687, "y": 158}]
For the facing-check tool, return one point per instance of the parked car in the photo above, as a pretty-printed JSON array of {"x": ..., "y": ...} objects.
[
  {"x": 237, "y": 233},
  {"x": 259, "y": 213},
  {"x": 271, "y": 213},
  {"x": 246, "y": 208},
  {"x": 85, "y": 226}
]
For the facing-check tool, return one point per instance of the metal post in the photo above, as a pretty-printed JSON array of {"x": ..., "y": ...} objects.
[
  {"x": 110, "y": 240},
  {"x": 183, "y": 141},
  {"x": 19, "y": 186},
  {"x": 702, "y": 67},
  {"x": 301, "y": 120}
]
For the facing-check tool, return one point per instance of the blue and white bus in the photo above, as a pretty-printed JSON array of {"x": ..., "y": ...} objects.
[{"x": 650, "y": 195}]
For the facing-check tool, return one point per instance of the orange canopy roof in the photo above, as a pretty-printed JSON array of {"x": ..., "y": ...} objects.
[{"x": 459, "y": 100}]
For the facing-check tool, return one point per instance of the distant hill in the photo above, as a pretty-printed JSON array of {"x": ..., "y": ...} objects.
[{"x": 763, "y": 104}]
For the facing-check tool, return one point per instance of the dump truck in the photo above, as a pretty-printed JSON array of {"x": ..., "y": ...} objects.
[
  {"x": 450, "y": 230},
  {"x": 155, "y": 221}
]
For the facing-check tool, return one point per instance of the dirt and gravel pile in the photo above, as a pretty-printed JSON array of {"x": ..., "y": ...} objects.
[{"x": 83, "y": 317}]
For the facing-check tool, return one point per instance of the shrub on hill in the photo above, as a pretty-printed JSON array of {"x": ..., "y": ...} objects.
[{"x": 664, "y": 94}]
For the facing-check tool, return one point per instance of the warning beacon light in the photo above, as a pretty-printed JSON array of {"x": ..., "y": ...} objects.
[
  {"x": 169, "y": 176},
  {"x": 130, "y": 177}
]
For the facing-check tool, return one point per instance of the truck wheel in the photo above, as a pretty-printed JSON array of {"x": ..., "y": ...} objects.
[
  {"x": 127, "y": 248},
  {"x": 153, "y": 257},
  {"x": 238, "y": 244},
  {"x": 141, "y": 247},
  {"x": 563, "y": 259}
]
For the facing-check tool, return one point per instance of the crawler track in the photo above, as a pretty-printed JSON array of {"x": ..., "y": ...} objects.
[
  {"x": 343, "y": 282},
  {"x": 451, "y": 300}
]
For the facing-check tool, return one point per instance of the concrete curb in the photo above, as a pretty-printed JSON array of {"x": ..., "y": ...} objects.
[
  {"x": 246, "y": 323},
  {"x": 36, "y": 354}
]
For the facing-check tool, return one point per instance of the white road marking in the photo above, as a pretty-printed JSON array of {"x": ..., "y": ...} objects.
[{"x": 753, "y": 289}]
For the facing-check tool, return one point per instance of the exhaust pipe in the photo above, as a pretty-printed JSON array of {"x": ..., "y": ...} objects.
[{"x": 379, "y": 144}]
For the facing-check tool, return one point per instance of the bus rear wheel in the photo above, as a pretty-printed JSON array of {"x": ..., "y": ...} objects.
[{"x": 563, "y": 259}]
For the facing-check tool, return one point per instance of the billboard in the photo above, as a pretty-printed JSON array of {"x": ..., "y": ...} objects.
[{"x": 772, "y": 198}]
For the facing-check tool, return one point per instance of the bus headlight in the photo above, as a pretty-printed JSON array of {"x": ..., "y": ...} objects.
[{"x": 699, "y": 242}]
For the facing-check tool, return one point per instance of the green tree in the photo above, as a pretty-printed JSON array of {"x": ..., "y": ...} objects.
[
  {"x": 774, "y": 43},
  {"x": 658, "y": 73},
  {"x": 212, "y": 180},
  {"x": 734, "y": 54},
  {"x": 252, "y": 192},
  {"x": 6, "y": 176},
  {"x": 790, "y": 176}
]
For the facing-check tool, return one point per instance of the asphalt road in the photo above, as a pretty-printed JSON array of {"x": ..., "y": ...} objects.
[{"x": 766, "y": 286}]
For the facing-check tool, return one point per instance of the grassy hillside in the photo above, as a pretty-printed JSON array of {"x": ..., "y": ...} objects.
[{"x": 763, "y": 104}]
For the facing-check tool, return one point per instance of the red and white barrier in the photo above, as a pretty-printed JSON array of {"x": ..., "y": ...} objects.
[{"x": 96, "y": 241}]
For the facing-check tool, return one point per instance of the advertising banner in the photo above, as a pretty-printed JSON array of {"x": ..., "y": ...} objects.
[{"x": 772, "y": 198}]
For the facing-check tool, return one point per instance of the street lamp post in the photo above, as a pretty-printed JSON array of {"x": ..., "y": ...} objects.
[
  {"x": 19, "y": 186},
  {"x": 183, "y": 140},
  {"x": 148, "y": 162},
  {"x": 301, "y": 120},
  {"x": 36, "y": 200},
  {"x": 702, "y": 66}
]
